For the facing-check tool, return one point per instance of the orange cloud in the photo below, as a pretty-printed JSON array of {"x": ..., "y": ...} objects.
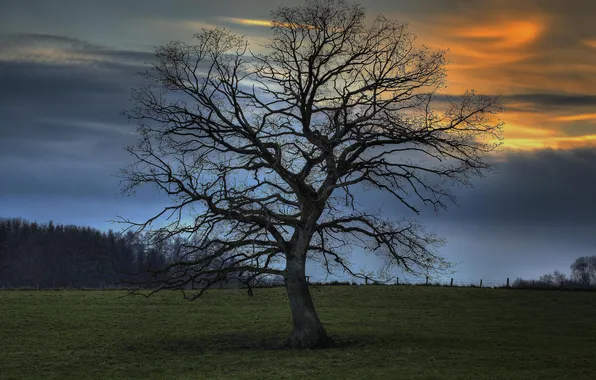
[
  {"x": 506, "y": 53},
  {"x": 580, "y": 117},
  {"x": 488, "y": 43},
  {"x": 248, "y": 21},
  {"x": 522, "y": 137},
  {"x": 252, "y": 22},
  {"x": 562, "y": 142},
  {"x": 510, "y": 34},
  {"x": 575, "y": 142},
  {"x": 481, "y": 49},
  {"x": 539, "y": 130}
]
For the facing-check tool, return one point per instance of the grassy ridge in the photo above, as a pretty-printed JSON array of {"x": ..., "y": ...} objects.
[{"x": 387, "y": 333}]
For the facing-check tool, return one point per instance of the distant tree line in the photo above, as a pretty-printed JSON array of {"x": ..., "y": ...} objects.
[
  {"x": 62, "y": 256},
  {"x": 56, "y": 256},
  {"x": 583, "y": 276}
]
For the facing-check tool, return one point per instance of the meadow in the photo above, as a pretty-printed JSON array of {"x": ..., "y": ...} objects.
[{"x": 383, "y": 332}]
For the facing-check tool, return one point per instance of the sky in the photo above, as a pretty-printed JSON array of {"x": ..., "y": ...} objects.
[{"x": 67, "y": 68}]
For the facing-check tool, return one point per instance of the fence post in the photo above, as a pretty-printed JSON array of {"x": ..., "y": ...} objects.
[
  {"x": 366, "y": 280},
  {"x": 507, "y": 281},
  {"x": 481, "y": 283},
  {"x": 451, "y": 283},
  {"x": 396, "y": 280},
  {"x": 426, "y": 280},
  {"x": 38, "y": 285}
]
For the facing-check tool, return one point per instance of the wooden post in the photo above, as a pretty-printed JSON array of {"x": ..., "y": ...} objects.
[
  {"x": 507, "y": 281},
  {"x": 396, "y": 280},
  {"x": 451, "y": 283},
  {"x": 481, "y": 283},
  {"x": 426, "y": 280},
  {"x": 39, "y": 286},
  {"x": 366, "y": 280}
]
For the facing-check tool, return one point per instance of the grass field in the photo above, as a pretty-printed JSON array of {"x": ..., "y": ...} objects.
[{"x": 386, "y": 332}]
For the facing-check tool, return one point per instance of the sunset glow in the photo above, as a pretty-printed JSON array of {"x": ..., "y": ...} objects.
[
  {"x": 504, "y": 55},
  {"x": 247, "y": 21},
  {"x": 587, "y": 116},
  {"x": 510, "y": 34}
]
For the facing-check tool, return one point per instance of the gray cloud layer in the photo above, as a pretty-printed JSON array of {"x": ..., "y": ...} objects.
[
  {"x": 60, "y": 128},
  {"x": 539, "y": 188}
]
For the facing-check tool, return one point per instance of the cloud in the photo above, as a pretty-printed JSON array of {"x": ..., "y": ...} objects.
[
  {"x": 61, "y": 132},
  {"x": 247, "y": 21},
  {"x": 494, "y": 253},
  {"x": 580, "y": 117},
  {"x": 61, "y": 50},
  {"x": 546, "y": 101},
  {"x": 544, "y": 120},
  {"x": 534, "y": 214},
  {"x": 511, "y": 34},
  {"x": 511, "y": 47},
  {"x": 539, "y": 188},
  {"x": 533, "y": 53}
]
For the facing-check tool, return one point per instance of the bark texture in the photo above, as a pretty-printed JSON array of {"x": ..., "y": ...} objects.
[{"x": 307, "y": 329}]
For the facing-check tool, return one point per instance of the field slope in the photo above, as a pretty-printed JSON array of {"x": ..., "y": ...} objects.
[{"x": 386, "y": 332}]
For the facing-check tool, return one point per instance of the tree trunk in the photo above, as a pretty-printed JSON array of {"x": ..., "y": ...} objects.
[{"x": 307, "y": 329}]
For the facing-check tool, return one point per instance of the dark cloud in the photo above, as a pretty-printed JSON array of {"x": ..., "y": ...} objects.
[
  {"x": 540, "y": 188},
  {"x": 61, "y": 132},
  {"x": 535, "y": 213},
  {"x": 537, "y": 102},
  {"x": 554, "y": 100},
  {"x": 18, "y": 40},
  {"x": 537, "y": 188}
]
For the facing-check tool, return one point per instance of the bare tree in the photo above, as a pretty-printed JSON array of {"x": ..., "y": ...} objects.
[
  {"x": 559, "y": 278},
  {"x": 263, "y": 155},
  {"x": 583, "y": 270}
]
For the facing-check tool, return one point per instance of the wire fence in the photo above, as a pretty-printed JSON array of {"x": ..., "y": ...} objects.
[
  {"x": 425, "y": 281},
  {"x": 518, "y": 283},
  {"x": 481, "y": 283},
  {"x": 404, "y": 281}
]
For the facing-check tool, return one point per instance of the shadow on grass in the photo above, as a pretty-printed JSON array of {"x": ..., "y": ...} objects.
[
  {"x": 229, "y": 342},
  {"x": 242, "y": 341}
]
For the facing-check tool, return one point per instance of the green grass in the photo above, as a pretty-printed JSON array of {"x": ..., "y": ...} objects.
[{"x": 387, "y": 332}]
